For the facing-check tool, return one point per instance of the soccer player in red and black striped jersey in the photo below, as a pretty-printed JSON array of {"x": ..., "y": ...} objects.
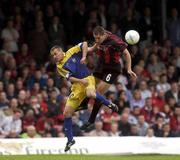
[{"x": 110, "y": 48}]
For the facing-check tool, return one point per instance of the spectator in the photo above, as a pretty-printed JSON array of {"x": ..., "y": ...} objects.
[
  {"x": 11, "y": 124},
  {"x": 175, "y": 120},
  {"x": 28, "y": 119},
  {"x": 114, "y": 132},
  {"x": 23, "y": 57},
  {"x": 145, "y": 92},
  {"x": 98, "y": 130},
  {"x": 174, "y": 92},
  {"x": 3, "y": 100},
  {"x": 137, "y": 100},
  {"x": 10, "y": 35},
  {"x": 134, "y": 130},
  {"x": 163, "y": 84},
  {"x": 173, "y": 27},
  {"x": 124, "y": 125},
  {"x": 56, "y": 33},
  {"x": 143, "y": 126},
  {"x": 167, "y": 131},
  {"x": 10, "y": 91},
  {"x": 108, "y": 117},
  {"x": 158, "y": 126},
  {"x": 150, "y": 133},
  {"x": 38, "y": 41},
  {"x": 122, "y": 101},
  {"x": 30, "y": 133}
]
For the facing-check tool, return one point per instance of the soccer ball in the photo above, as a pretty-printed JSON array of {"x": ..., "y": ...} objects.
[{"x": 132, "y": 37}]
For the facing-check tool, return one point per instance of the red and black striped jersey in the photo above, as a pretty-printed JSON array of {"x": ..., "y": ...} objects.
[{"x": 110, "y": 52}]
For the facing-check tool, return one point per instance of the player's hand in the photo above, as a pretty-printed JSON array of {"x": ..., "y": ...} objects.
[
  {"x": 83, "y": 60},
  {"x": 132, "y": 74},
  {"x": 84, "y": 82}
]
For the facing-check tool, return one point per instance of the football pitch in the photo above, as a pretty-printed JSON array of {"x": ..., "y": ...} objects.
[{"x": 92, "y": 157}]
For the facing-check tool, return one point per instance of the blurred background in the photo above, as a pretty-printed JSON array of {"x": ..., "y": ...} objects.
[{"x": 32, "y": 96}]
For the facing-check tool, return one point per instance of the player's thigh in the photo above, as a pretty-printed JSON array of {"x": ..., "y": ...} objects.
[
  {"x": 90, "y": 88},
  {"x": 110, "y": 77},
  {"x": 102, "y": 87},
  {"x": 77, "y": 95},
  {"x": 98, "y": 76},
  {"x": 97, "y": 80}
]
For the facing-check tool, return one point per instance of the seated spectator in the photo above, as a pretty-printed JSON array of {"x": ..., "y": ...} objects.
[
  {"x": 28, "y": 119},
  {"x": 11, "y": 124},
  {"x": 134, "y": 114},
  {"x": 137, "y": 100},
  {"x": 143, "y": 125},
  {"x": 145, "y": 92},
  {"x": 175, "y": 120},
  {"x": 13, "y": 104},
  {"x": 11, "y": 91},
  {"x": 167, "y": 131},
  {"x": 134, "y": 130},
  {"x": 159, "y": 100},
  {"x": 158, "y": 126},
  {"x": 30, "y": 133},
  {"x": 114, "y": 132},
  {"x": 155, "y": 66},
  {"x": 147, "y": 110},
  {"x": 124, "y": 125},
  {"x": 10, "y": 35},
  {"x": 22, "y": 102},
  {"x": 122, "y": 101},
  {"x": 98, "y": 131},
  {"x": 150, "y": 133},
  {"x": 4, "y": 103},
  {"x": 108, "y": 117},
  {"x": 174, "y": 92},
  {"x": 53, "y": 105},
  {"x": 163, "y": 84},
  {"x": 23, "y": 57}
]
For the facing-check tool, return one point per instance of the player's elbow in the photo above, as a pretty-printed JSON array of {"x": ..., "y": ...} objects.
[{"x": 85, "y": 44}]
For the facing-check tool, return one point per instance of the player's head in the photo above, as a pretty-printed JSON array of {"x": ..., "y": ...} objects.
[
  {"x": 57, "y": 53},
  {"x": 99, "y": 34}
]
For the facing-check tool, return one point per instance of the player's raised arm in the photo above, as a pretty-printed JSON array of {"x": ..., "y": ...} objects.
[
  {"x": 84, "y": 52},
  {"x": 128, "y": 63}
]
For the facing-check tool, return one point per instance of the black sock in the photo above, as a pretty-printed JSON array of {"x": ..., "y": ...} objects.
[{"x": 94, "y": 112}]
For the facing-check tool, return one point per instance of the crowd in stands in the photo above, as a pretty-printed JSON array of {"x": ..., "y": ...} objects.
[{"x": 32, "y": 96}]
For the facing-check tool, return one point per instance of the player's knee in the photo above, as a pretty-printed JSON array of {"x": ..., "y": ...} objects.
[
  {"x": 67, "y": 114},
  {"x": 91, "y": 94}
]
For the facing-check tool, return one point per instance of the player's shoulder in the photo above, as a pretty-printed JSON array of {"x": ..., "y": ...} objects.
[
  {"x": 113, "y": 39},
  {"x": 75, "y": 49}
]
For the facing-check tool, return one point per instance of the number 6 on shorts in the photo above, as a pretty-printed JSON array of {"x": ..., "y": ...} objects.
[{"x": 108, "y": 77}]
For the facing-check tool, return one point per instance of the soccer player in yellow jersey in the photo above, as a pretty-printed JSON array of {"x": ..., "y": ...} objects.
[{"x": 71, "y": 65}]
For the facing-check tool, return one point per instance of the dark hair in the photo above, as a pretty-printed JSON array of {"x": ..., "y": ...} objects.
[{"x": 98, "y": 30}]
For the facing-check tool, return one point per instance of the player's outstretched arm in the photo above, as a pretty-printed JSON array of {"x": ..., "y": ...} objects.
[
  {"x": 128, "y": 63},
  {"x": 93, "y": 48}
]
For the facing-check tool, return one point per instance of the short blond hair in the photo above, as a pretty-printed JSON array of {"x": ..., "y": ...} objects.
[{"x": 53, "y": 48}]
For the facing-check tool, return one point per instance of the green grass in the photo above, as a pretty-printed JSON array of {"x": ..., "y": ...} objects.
[{"x": 91, "y": 157}]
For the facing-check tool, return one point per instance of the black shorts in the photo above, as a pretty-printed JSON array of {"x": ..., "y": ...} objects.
[{"x": 107, "y": 76}]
